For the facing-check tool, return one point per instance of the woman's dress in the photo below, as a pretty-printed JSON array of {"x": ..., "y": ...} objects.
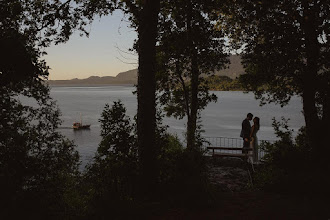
[{"x": 254, "y": 144}]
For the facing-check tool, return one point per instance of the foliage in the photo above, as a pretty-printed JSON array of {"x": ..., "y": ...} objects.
[
  {"x": 37, "y": 163},
  {"x": 224, "y": 83},
  {"x": 286, "y": 47},
  {"x": 144, "y": 18},
  {"x": 171, "y": 152},
  {"x": 116, "y": 132},
  {"x": 181, "y": 29},
  {"x": 111, "y": 178},
  {"x": 38, "y": 22},
  {"x": 110, "y": 185},
  {"x": 288, "y": 165},
  {"x": 183, "y": 178},
  {"x": 189, "y": 45},
  {"x": 38, "y": 166}
]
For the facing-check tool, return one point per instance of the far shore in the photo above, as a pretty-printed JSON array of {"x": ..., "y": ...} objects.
[
  {"x": 88, "y": 85},
  {"x": 105, "y": 85}
]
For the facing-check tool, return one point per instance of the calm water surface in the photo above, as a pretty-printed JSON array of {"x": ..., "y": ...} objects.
[{"x": 222, "y": 118}]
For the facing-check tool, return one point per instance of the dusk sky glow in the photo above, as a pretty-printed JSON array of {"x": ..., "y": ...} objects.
[{"x": 104, "y": 53}]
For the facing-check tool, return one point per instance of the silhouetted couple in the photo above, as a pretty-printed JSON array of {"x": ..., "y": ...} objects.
[{"x": 249, "y": 135}]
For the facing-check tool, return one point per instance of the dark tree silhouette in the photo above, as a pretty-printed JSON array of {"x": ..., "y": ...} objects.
[
  {"x": 146, "y": 91},
  {"x": 190, "y": 48},
  {"x": 37, "y": 163},
  {"x": 286, "y": 52},
  {"x": 144, "y": 18}
]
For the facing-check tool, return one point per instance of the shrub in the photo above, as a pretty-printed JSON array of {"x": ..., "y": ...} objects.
[
  {"x": 111, "y": 180},
  {"x": 288, "y": 164},
  {"x": 37, "y": 164}
]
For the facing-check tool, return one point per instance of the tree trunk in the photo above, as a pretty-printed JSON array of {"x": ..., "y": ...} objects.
[
  {"x": 146, "y": 115},
  {"x": 192, "y": 120},
  {"x": 313, "y": 123},
  {"x": 326, "y": 121}
]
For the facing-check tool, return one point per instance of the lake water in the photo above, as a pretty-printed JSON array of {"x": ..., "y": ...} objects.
[{"x": 220, "y": 119}]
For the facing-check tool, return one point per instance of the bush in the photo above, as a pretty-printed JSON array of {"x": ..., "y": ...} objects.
[
  {"x": 111, "y": 180},
  {"x": 37, "y": 164},
  {"x": 288, "y": 164}
]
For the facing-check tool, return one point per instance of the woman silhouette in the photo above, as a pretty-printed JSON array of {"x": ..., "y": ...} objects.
[{"x": 254, "y": 139}]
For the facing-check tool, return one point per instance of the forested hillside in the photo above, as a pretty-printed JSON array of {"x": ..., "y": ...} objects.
[{"x": 234, "y": 70}]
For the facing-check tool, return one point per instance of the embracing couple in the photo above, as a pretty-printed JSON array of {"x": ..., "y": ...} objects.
[{"x": 249, "y": 135}]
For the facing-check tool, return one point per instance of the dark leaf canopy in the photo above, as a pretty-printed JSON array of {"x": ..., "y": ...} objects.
[{"x": 279, "y": 39}]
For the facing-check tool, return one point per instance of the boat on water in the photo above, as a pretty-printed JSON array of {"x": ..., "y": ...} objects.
[{"x": 80, "y": 125}]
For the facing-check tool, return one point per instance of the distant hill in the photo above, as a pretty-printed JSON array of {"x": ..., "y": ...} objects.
[
  {"x": 123, "y": 78},
  {"x": 130, "y": 77},
  {"x": 235, "y": 68}
]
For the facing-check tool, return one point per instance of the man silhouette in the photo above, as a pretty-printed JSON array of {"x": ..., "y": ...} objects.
[{"x": 245, "y": 133}]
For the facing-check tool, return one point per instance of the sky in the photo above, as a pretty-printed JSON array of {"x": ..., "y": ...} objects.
[{"x": 104, "y": 53}]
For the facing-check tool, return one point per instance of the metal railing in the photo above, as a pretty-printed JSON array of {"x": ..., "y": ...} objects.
[{"x": 230, "y": 142}]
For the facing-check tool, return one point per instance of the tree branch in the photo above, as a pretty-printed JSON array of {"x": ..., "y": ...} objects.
[{"x": 133, "y": 8}]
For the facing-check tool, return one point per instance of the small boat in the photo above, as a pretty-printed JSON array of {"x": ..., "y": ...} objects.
[{"x": 80, "y": 125}]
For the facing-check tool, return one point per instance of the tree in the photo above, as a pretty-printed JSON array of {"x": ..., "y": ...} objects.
[
  {"x": 286, "y": 52},
  {"x": 190, "y": 48},
  {"x": 146, "y": 91},
  {"x": 110, "y": 179},
  {"x": 37, "y": 163},
  {"x": 144, "y": 18}
]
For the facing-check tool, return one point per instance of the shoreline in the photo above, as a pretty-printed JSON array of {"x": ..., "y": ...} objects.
[
  {"x": 89, "y": 85},
  {"x": 128, "y": 85}
]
